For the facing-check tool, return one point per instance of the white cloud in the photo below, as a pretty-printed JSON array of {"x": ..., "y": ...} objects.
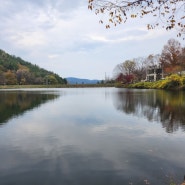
[
  {"x": 52, "y": 56},
  {"x": 65, "y": 37}
]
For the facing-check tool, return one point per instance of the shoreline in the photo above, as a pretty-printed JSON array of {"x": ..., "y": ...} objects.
[{"x": 56, "y": 86}]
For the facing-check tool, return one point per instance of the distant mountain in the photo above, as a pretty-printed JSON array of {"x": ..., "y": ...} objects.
[
  {"x": 73, "y": 80},
  {"x": 14, "y": 70}
]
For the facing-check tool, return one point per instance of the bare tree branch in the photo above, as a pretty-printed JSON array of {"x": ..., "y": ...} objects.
[{"x": 170, "y": 14}]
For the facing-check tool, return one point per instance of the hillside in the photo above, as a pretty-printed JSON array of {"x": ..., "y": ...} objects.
[
  {"x": 72, "y": 80},
  {"x": 14, "y": 70}
]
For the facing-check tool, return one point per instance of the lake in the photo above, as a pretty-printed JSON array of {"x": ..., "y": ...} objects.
[{"x": 91, "y": 136}]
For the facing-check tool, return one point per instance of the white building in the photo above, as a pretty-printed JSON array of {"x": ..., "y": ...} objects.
[{"x": 154, "y": 73}]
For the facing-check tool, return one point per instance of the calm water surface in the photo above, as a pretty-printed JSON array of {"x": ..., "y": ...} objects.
[{"x": 91, "y": 136}]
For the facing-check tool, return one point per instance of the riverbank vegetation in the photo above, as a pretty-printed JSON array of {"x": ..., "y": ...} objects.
[
  {"x": 161, "y": 71},
  {"x": 175, "y": 82}
]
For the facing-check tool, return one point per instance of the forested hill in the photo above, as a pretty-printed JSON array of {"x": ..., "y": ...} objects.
[{"x": 14, "y": 70}]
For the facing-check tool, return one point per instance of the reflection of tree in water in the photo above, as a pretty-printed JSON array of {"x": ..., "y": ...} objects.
[
  {"x": 14, "y": 103},
  {"x": 167, "y": 107}
]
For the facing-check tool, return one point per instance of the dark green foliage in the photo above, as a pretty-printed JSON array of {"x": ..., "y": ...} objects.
[{"x": 24, "y": 72}]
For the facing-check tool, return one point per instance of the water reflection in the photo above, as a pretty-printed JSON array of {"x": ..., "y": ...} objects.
[
  {"x": 167, "y": 107},
  {"x": 14, "y": 103},
  {"x": 71, "y": 166},
  {"x": 82, "y": 139},
  {"x": 68, "y": 167}
]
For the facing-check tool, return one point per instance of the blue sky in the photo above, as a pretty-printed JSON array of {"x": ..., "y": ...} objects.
[{"x": 66, "y": 38}]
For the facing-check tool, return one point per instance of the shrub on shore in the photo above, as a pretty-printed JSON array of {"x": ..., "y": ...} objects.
[{"x": 172, "y": 82}]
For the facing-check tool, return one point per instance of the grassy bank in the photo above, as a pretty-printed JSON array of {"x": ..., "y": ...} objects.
[
  {"x": 173, "y": 82},
  {"x": 55, "y": 86}
]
